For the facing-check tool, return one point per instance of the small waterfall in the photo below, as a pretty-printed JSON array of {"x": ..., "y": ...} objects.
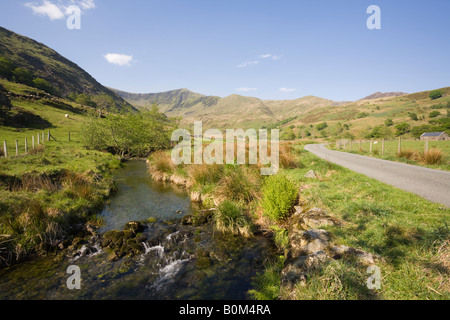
[
  {"x": 169, "y": 257},
  {"x": 87, "y": 251},
  {"x": 158, "y": 249}
]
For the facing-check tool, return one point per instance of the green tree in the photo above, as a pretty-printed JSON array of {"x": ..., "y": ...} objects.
[
  {"x": 132, "y": 134},
  {"x": 24, "y": 76},
  {"x": 435, "y": 94},
  {"x": 389, "y": 122},
  {"x": 403, "y": 128},
  {"x": 43, "y": 85},
  {"x": 379, "y": 132},
  {"x": 6, "y": 68},
  {"x": 413, "y": 116}
]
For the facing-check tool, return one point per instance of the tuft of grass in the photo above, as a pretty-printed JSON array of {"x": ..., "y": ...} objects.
[
  {"x": 432, "y": 156},
  {"x": 239, "y": 184},
  {"x": 281, "y": 238},
  {"x": 287, "y": 159},
  {"x": 409, "y": 154},
  {"x": 162, "y": 162},
  {"x": 203, "y": 174},
  {"x": 77, "y": 185},
  {"x": 229, "y": 218}
]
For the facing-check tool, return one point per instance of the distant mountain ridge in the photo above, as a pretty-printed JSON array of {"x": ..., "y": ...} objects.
[
  {"x": 378, "y": 95},
  {"x": 64, "y": 75},
  {"x": 222, "y": 112}
]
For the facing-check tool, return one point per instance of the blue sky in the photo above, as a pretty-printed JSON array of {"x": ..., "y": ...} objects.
[{"x": 281, "y": 49}]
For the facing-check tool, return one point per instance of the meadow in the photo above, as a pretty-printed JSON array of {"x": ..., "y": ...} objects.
[{"x": 412, "y": 151}]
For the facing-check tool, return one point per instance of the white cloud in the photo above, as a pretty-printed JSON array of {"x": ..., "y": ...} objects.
[
  {"x": 84, "y": 4},
  {"x": 286, "y": 90},
  {"x": 119, "y": 59},
  {"x": 270, "y": 56},
  {"x": 48, "y": 9},
  {"x": 248, "y": 63},
  {"x": 57, "y": 10},
  {"x": 246, "y": 89}
]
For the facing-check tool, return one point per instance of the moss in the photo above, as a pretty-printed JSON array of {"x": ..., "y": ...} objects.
[{"x": 203, "y": 263}]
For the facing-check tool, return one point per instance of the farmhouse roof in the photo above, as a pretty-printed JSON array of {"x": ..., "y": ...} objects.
[{"x": 432, "y": 134}]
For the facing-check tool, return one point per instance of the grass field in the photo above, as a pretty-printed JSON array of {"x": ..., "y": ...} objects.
[
  {"x": 410, "y": 233},
  {"x": 415, "y": 149}
]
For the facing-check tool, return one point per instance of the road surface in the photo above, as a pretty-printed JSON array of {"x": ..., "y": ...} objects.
[{"x": 430, "y": 184}]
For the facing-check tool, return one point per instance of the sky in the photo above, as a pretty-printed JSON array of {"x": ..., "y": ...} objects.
[{"x": 283, "y": 49}]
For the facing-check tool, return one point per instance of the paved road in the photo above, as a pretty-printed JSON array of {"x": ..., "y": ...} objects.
[{"x": 431, "y": 184}]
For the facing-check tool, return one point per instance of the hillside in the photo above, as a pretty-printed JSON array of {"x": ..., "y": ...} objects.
[
  {"x": 23, "y": 59},
  {"x": 234, "y": 110},
  {"x": 378, "y": 95},
  {"x": 386, "y": 117}
]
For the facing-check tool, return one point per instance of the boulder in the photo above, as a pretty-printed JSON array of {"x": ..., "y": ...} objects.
[
  {"x": 316, "y": 218},
  {"x": 135, "y": 227},
  {"x": 311, "y": 175},
  {"x": 296, "y": 270},
  {"x": 308, "y": 242}
]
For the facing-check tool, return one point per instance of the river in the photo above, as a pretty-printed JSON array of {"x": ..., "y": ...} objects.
[{"x": 179, "y": 261}]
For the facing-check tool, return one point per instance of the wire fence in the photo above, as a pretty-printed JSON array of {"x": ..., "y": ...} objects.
[{"x": 28, "y": 145}]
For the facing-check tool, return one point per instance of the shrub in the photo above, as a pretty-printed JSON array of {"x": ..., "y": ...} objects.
[
  {"x": 43, "y": 85},
  {"x": 432, "y": 156},
  {"x": 322, "y": 126},
  {"x": 434, "y": 114},
  {"x": 409, "y": 154},
  {"x": 279, "y": 195},
  {"x": 436, "y": 94},
  {"x": 229, "y": 218}
]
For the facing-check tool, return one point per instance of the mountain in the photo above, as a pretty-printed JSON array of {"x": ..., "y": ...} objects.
[
  {"x": 378, "y": 95},
  {"x": 64, "y": 76},
  {"x": 232, "y": 111}
]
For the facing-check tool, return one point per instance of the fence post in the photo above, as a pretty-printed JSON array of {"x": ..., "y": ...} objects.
[
  {"x": 43, "y": 138},
  {"x": 360, "y": 146},
  {"x": 5, "y": 149},
  {"x": 382, "y": 148},
  {"x": 69, "y": 136},
  {"x": 26, "y": 146},
  {"x": 426, "y": 145},
  {"x": 39, "y": 139},
  {"x": 17, "y": 148},
  {"x": 32, "y": 141},
  {"x": 371, "y": 146},
  {"x": 48, "y": 135},
  {"x": 399, "y": 145}
]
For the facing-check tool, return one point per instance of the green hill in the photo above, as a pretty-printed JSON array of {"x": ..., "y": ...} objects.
[
  {"x": 231, "y": 111},
  {"x": 32, "y": 63}
]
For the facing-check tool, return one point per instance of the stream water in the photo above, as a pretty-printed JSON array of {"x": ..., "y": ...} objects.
[{"x": 178, "y": 262}]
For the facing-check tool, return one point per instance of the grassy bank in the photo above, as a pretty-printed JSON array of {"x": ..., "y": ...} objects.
[
  {"x": 47, "y": 195},
  {"x": 410, "y": 234}
]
